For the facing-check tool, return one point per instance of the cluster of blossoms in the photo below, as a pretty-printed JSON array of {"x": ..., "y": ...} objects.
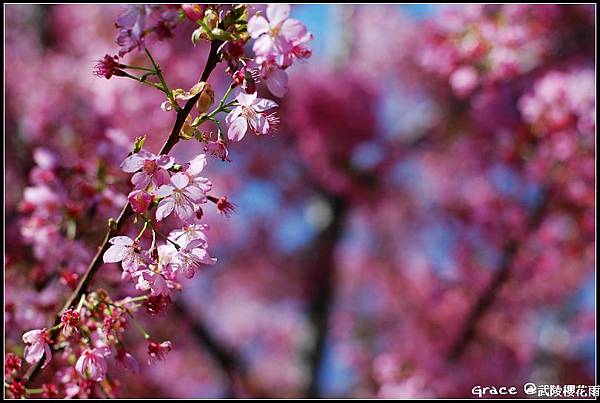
[
  {"x": 61, "y": 196},
  {"x": 90, "y": 332},
  {"x": 561, "y": 110},
  {"x": 156, "y": 270},
  {"x": 487, "y": 43}
]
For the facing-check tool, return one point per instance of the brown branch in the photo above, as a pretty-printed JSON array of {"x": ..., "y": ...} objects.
[
  {"x": 490, "y": 294},
  {"x": 322, "y": 279},
  {"x": 126, "y": 212},
  {"x": 227, "y": 358}
]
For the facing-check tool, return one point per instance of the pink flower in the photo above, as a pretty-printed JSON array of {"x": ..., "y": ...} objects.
[
  {"x": 36, "y": 346},
  {"x": 92, "y": 364},
  {"x": 275, "y": 78},
  {"x": 132, "y": 25},
  {"x": 464, "y": 80},
  {"x": 190, "y": 258},
  {"x": 218, "y": 150},
  {"x": 276, "y": 34},
  {"x": 127, "y": 361},
  {"x": 153, "y": 168},
  {"x": 189, "y": 233},
  {"x": 192, "y": 169},
  {"x": 126, "y": 251},
  {"x": 12, "y": 363},
  {"x": 69, "y": 322},
  {"x": 181, "y": 196},
  {"x": 107, "y": 67},
  {"x": 140, "y": 200},
  {"x": 250, "y": 112},
  {"x": 158, "y": 351},
  {"x": 150, "y": 280},
  {"x": 194, "y": 12}
]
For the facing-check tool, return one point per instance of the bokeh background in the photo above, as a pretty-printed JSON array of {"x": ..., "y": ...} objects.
[{"x": 422, "y": 222}]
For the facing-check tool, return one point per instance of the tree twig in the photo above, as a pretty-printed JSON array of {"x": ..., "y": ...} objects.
[
  {"x": 490, "y": 294},
  {"x": 126, "y": 212}
]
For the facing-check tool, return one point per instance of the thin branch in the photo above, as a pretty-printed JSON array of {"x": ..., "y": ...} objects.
[
  {"x": 228, "y": 359},
  {"x": 490, "y": 294},
  {"x": 126, "y": 212}
]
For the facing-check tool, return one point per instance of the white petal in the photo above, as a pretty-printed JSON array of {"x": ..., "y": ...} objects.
[
  {"x": 262, "y": 104},
  {"x": 165, "y": 207},
  {"x": 237, "y": 129},
  {"x": 115, "y": 253},
  {"x": 276, "y": 13},
  {"x": 180, "y": 180},
  {"x": 257, "y": 26}
]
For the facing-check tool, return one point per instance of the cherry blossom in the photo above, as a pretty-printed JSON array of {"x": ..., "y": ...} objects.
[
  {"x": 126, "y": 251},
  {"x": 37, "y": 346},
  {"x": 250, "y": 113},
  {"x": 277, "y": 34},
  {"x": 182, "y": 195},
  {"x": 92, "y": 363},
  {"x": 153, "y": 168}
]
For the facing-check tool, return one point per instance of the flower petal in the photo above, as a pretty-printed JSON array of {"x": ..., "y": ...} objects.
[
  {"x": 257, "y": 26},
  {"x": 180, "y": 180},
  {"x": 132, "y": 163},
  {"x": 115, "y": 253},
  {"x": 293, "y": 30},
  {"x": 263, "y": 45},
  {"x": 121, "y": 240},
  {"x": 164, "y": 191},
  {"x": 197, "y": 164},
  {"x": 246, "y": 99},
  {"x": 262, "y": 104},
  {"x": 276, "y": 13},
  {"x": 237, "y": 129},
  {"x": 165, "y": 207}
]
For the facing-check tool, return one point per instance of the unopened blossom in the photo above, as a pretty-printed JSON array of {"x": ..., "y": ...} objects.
[
  {"x": 190, "y": 258},
  {"x": 276, "y": 34},
  {"x": 107, "y": 67},
  {"x": 250, "y": 113},
  {"x": 156, "y": 304},
  {"x": 92, "y": 364},
  {"x": 153, "y": 168},
  {"x": 50, "y": 391},
  {"x": 69, "y": 321},
  {"x": 204, "y": 91},
  {"x": 17, "y": 388},
  {"x": 158, "y": 351},
  {"x": 194, "y": 12},
  {"x": 181, "y": 195},
  {"x": 126, "y": 251},
  {"x": 464, "y": 80},
  {"x": 140, "y": 200},
  {"x": 12, "y": 363},
  {"x": 37, "y": 346}
]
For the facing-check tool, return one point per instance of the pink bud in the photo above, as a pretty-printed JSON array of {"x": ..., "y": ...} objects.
[
  {"x": 194, "y": 12},
  {"x": 140, "y": 200}
]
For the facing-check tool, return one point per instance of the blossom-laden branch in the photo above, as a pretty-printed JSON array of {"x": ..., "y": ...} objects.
[{"x": 92, "y": 323}]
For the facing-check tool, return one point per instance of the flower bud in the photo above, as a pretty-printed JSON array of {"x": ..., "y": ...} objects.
[
  {"x": 207, "y": 97},
  {"x": 194, "y": 12},
  {"x": 211, "y": 18}
]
